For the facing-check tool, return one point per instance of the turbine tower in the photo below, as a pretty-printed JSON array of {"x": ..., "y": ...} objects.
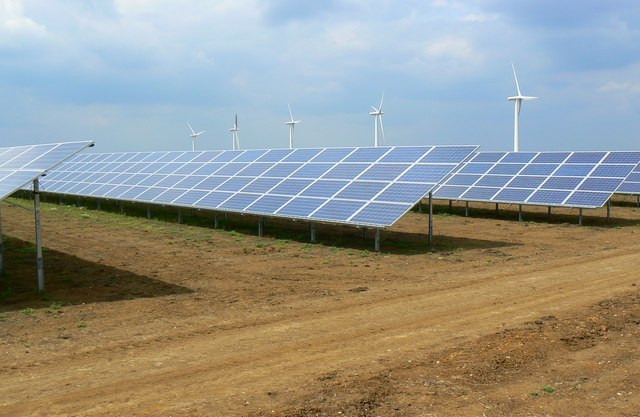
[
  {"x": 377, "y": 117},
  {"x": 234, "y": 134},
  {"x": 292, "y": 124},
  {"x": 518, "y": 101},
  {"x": 194, "y": 135}
]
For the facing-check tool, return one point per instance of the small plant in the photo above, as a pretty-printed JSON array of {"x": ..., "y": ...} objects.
[
  {"x": 85, "y": 216},
  {"x": 3, "y": 316},
  {"x": 335, "y": 249},
  {"x": 82, "y": 325},
  {"x": 548, "y": 388},
  {"x": 307, "y": 246},
  {"x": 56, "y": 305},
  {"x": 260, "y": 245},
  {"x": 534, "y": 393},
  {"x": 28, "y": 311}
]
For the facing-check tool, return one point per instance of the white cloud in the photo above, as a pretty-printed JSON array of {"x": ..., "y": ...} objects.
[
  {"x": 14, "y": 22},
  {"x": 450, "y": 48},
  {"x": 624, "y": 87}
]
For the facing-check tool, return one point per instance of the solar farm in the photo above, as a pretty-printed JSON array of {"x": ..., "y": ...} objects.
[{"x": 357, "y": 281}]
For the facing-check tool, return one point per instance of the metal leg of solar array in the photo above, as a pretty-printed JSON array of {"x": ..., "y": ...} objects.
[
  {"x": 579, "y": 217},
  {"x": 179, "y": 216},
  {"x": 377, "y": 244},
  {"x": 519, "y": 212},
  {"x": 121, "y": 203},
  {"x": 420, "y": 207},
  {"x": 430, "y": 219},
  {"x": 1, "y": 250},
  {"x": 312, "y": 231},
  {"x": 260, "y": 226},
  {"x": 77, "y": 201},
  {"x": 450, "y": 206},
  {"x": 365, "y": 232},
  {"x": 149, "y": 212},
  {"x": 466, "y": 209},
  {"x": 638, "y": 203},
  {"x": 549, "y": 212},
  {"x": 216, "y": 222},
  {"x": 609, "y": 209},
  {"x": 39, "y": 259},
  {"x": 497, "y": 210},
  {"x": 98, "y": 204},
  {"x": 60, "y": 200}
]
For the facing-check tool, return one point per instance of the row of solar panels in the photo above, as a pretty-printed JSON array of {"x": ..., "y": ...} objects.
[
  {"x": 371, "y": 186},
  {"x": 572, "y": 179},
  {"x": 20, "y": 165}
]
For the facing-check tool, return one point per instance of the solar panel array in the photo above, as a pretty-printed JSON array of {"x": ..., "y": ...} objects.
[
  {"x": 361, "y": 186},
  {"x": 20, "y": 165},
  {"x": 571, "y": 179},
  {"x": 631, "y": 185}
]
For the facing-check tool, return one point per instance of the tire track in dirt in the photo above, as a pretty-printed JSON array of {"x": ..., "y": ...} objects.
[{"x": 309, "y": 346}]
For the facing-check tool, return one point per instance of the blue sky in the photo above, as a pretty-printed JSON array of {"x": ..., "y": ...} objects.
[{"x": 131, "y": 73}]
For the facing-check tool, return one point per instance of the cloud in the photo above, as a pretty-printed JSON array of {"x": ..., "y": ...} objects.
[
  {"x": 632, "y": 88},
  {"x": 13, "y": 22}
]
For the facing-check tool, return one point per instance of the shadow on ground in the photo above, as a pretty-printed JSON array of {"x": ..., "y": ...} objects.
[{"x": 69, "y": 280}]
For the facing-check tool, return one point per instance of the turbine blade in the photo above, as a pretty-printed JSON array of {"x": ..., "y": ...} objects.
[
  {"x": 382, "y": 130},
  {"x": 381, "y": 100},
  {"x": 192, "y": 131},
  {"x": 374, "y": 109},
  {"x": 516, "y": 78},
  {"x": 290, "y": 114},
  {"x": 235, "y": 122}
]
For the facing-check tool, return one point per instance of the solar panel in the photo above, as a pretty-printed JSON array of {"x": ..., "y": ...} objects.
[
  {"x": 571, "y": 179},
  {"x": 20, "y": 165},
  {"x": 360, "y": 186}
]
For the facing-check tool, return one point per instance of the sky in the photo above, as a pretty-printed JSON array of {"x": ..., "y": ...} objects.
[{"x": 130, "y": 74}]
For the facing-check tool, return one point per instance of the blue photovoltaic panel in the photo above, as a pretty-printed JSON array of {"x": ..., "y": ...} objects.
[
  {"x": 572, "y": 179},
  {"x": 20, "y": 165},
  {"x": 631, "y": 185},
  {"x": 361, "y": 186}
]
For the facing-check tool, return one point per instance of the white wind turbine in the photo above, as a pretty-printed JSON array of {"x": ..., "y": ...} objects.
[
  {"x": 518, "y": 99},
  {"x": 193, "y": 136},
  {"x": 377, "y": 114},
  {"x": 234, "y": 134},
  {"x": 292, "y": 124}
]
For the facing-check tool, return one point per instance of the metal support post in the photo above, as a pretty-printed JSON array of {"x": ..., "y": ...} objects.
[
  {"x": 377, "y": 244},
  {"x": 638, "y": 203},
  {"x": 77, "y": 201},
  {"x": 312, "y": 231},
  {"x": 519, "y": 212},
  {"x": 430, "y": 218},
  {"x": 609, "y": 209},
  {"x": 365, "y": 232},
  {"x": 149, "y": 212},
  {"x": 39, "y": 258},
  {"x": 466, "y": 209},
  {"x": 121, "y": 203},
  {"x": 1, "y": 250},
  {"x": 179, "y": 216},
  {"x": 98, "y": 204},
  {"x": 450, "y": 206},
  {"x": 260, "y": 226},
  {"x": 549, "y": 212},
  {"x": 497, "y": 210},
  {"x": 216, "y": 222},
  {"x": 60, "y": 200},
  {"x": 420, "y": 207},
  {"x": 580, "y": 217}
]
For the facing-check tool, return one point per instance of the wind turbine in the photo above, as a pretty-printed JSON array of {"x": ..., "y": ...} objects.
[
  {"x": 377, "y": 114},
  {"x": 234, "y": 134},
  {"x": 194, "y": 135},
  {"x": 518, "y": 99},
  {"x": 292, "y": 124}
]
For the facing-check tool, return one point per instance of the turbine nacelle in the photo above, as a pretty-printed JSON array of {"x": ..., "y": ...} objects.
[
  {"x": 291, "y": 123},
  {"x": 377, "y": 119}
]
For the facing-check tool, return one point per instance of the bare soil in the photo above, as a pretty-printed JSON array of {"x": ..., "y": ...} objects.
[{"x": 150, "y": 317}]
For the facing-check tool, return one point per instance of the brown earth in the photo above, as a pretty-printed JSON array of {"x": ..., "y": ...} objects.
[{"x": 149, "y": 317}]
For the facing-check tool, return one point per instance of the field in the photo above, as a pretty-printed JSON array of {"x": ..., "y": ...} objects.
[{"x": 151, "y": 317}]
